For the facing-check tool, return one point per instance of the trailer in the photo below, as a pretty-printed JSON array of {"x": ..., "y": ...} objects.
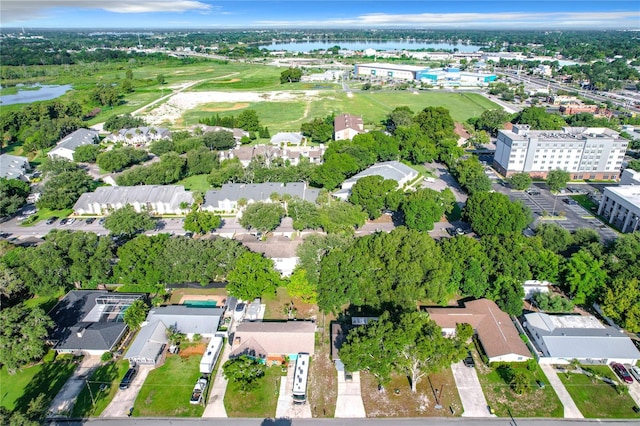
[{"x": 208, "y": 361}]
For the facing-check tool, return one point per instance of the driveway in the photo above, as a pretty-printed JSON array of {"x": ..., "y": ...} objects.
[
  {"x": 473, "y": 401},
  {"x": 64, "y": 400},
  {"x": 125, "y": 398},
  {"x": 286, "y": 409},
  {"x": 571, "y": 410},
  {"x": 349, "y": 402}
]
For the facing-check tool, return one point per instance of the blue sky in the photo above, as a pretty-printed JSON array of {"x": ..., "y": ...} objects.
[{"x": 480, "y": 14}]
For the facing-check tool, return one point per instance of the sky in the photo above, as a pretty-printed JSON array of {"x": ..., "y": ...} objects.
[{"x": 430, "y": 14}]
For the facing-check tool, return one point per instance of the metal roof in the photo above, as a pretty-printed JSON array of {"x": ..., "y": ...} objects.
[
  {"x": 394, "y": 170},
  {"x": 149, "y": 341},
  {"x": 78, "y": 138},
  {"x": 188, "y": 319},
  {"x": 13, "y": 166}
]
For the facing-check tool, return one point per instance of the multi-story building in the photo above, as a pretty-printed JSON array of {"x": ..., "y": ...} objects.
[
  {"x": 155, "y": 199},
  {"x": 67, "y": 146},
  {"x": 346, "y": 126},
  {"x": 585, "y": 152},
  {"x": 620, "y": 205}
]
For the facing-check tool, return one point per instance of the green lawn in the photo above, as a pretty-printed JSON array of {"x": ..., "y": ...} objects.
[
  {"x": 167, "y": 390},
  {"x": 535, "y": 402},
  {"x": 597, "y": 399},
  {"x": 104, "y": 384},
  {"x": 45, "y": 302},
  {"x": 259, "y": 402},
  {"x": 47, "y": 377},
  {"x": 585, "y": 202},
  {"x": 196, "y": 183},
  {"x": 44, "y": 214}
]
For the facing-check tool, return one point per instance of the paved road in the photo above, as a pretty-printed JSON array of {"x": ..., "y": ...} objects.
[
  {"x": 571, "y": 410},
  {"x": 471, "y": 395},
  {"x": 125, "y": 398},
  {"x": 66, "y": 398}
]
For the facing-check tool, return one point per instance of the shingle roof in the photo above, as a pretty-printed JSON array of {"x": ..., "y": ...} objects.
[
  {"x": 188, "y": 319},
  {"x": 170, "y": 194},
  {"x": 13, "y": 166},
  {"x": 78, "y": 138},
  {"x": 259, "y": 192},
  {"x": 494, "y": 327},
  {"x": 277, "y": 337},
  {"x": 149, "y": 341},
  {"x": 348, "y": 121}
]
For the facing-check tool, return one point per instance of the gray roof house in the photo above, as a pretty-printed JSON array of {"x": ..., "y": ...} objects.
[
  {"x": 287, "y": 139},
  {"x": 90, "y": 321},
  {"x": 188, "y": 320},
  {"x": 149, "y": 345},
  {"x": 226, "y": 198},
  {"x": 563, "y": 338},
  {"x": 139, "y": 135},
  {"x": 14, "y": 167},
  {"x": 67, "y": 145},
  {"x": 156, "y": 199},
  {"x": 394, "y": 170}
]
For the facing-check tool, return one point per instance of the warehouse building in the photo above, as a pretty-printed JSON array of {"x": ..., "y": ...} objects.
[{"x": 449, "y": 77}]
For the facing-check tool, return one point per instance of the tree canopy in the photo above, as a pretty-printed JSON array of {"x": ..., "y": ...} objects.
[
  {"x": 136, "y": 314},
  {"x": 13, "y": 194},
  {"x": 127, "y": 221},
  {"x": 22, "y": 336},
  {"x": 201, "y": 222},
  {"x": 244, "y": 371},
  {"x": 262, "y": 216},
  {"x": 252, "y": 276},
  {"x": 425, "y": 207},
  {"x": 495, "y": 214}
]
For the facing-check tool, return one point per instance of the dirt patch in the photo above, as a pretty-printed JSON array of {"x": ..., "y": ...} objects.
[
  {"x": 196, "y": 349},
  {"x": 231, "y": 108},
  {"x": 323, "y": 378},
  {"x": 233, "y": 80}
]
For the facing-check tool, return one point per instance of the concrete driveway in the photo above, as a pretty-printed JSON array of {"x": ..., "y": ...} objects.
[
  {"x": 286, "y": 409},
  {"x": 62, "y": 404},
  {"x": 215, "y": 404},
  {"x": 473, "y": 401},
  {"x": 571, "y": 410},
  {"x": 349, "y": 402},
  {"x": 125, "y": 398}
]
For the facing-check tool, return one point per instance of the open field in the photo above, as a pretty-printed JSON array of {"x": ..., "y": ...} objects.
[
  {"x": 597, "y": 399},
  {"x": 167, "y": 390},
  {"x": 47, "y": 378},
  {"x": 195, "y": 183},
  {"x": 534, "y": 402},
  {"x": 104, "y": 384},
  {"x": 258, "y": 402},
  {"x": 397, "y": 400}
]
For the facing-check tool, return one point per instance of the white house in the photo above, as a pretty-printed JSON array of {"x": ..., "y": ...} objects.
[
  {"x": 287, "y": 139},
  {"x": 139, "y": 135},
  {"x": 226, "y": 199},
  {"x": 346, "y": 126},
  {"x": 67, "y": 145},
  {"x": 155, "y": 199},
  {"x": 393, "y": 170}
]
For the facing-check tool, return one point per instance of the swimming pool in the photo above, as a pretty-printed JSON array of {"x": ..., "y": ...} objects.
[{"x": 200, "y": 303}]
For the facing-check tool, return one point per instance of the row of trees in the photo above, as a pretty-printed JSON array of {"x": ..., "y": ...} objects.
[{"x": 247, "y": 120}]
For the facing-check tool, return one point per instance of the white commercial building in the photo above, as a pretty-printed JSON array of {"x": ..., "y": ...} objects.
[
  {"x": 387, "y": 71},
  {"x": 155, "y": 199},
  {"x": 585, "y": 152},
  {"x": 620, "y": 205},
  {"x": 630, "y": 177}
]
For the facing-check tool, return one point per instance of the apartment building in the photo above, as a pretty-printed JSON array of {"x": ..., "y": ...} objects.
[{"x": 585, "y": 152}]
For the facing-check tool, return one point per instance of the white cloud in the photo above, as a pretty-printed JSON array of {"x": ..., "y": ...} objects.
[
  {"x": 582, "y": 20},
  {"x": 14, "y": 11}
]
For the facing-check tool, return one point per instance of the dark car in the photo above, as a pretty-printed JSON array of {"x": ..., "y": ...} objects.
[
  {"x": 128, "y": 377},
  {"x": 468, "y": 361},
  {"x": 63, "y": 221},
  {"x": 569, "y": 201},
  {"x": 90, "y": 220},
  {"x": 51, "y": 220},
  {"x": 622, "y": 372},
  {"x": 533, "y": 192}
]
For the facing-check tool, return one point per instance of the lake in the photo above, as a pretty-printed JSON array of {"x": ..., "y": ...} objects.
[
  {"x": 37, "y": 92},
  {"x": 306, "y": 46}
]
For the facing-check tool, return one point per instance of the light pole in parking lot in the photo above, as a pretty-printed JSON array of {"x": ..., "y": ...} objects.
[{"x": 555, "y": 200}]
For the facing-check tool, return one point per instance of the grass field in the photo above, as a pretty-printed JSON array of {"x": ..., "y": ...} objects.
[
  {"x": 46, "y": 303},
  {"x": 47, "y": 377},
  {"x": 597, "y": 399},
  {"x": 167, "y": 390},
  {"x": 534, "y": 402},
  {"x": 259, "y": 402},
  {"x": 104, "y": 384},
  {"x": 196, "y": 183}
]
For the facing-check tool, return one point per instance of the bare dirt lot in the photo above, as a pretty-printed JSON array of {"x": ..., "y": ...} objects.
[{"x": 196, "y": 349}]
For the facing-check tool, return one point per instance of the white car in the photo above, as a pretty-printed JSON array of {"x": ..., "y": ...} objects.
[
  {"x": 635, "y": 372},
  {"x": 238, "y": 312}
]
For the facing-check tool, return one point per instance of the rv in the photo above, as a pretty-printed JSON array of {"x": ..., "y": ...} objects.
[
  {"x": 208, "y": 361},
  {"x": 300, "y": 379}
]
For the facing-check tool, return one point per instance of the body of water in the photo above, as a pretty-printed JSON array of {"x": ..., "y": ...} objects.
[
  {"x": 28, "y": 94},
  {"x": 306, "y": 46}
]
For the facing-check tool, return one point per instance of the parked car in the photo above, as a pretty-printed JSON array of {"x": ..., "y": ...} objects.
[
  {"x": 71, "y": 221},
  {"x": 635, "y": 372},
  {"x": 621, "y": 372},
  {"x": 532, "y": 191},
  {"x": 569, "y": 201},
  {"x": 238, "y": 312},
  {"x": 468, "y": 361},
  {"x": 64, "y": 221},
  {"x": 51, "y": 220},
  {"x": 540, "y": 384},
  {"x": 128, "y": 377},
  {"x": 90, "y": 220},
  {"x": 101, "y": 221}
]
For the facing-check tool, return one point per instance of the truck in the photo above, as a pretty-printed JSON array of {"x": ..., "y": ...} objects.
[
  {"x": 211, "y": 354},
  {"x": 198, "y": 391}
]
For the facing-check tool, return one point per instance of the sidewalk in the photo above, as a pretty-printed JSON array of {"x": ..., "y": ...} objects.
[
  {"x": 570, "y": 408},
  {"x": 62, "y": 404}
]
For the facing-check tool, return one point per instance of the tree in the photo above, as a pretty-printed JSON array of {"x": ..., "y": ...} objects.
[
  {"x": 201, "y": 222},
  {"x": 620, "y": 303},
  {"x": 436, "y": 123},
  {"x": 520, "y": 181},
  {"x": 341, "y": 217},
  {"x": 371, "y": 193},
  {"x": 299, "y": 286},
  {"x": 86, "y": 153},
  {"x": 22, "y": 336},
  {"x": 219, "y": 140},
  {"x": 584, "y": 276},
  {"x": 495, "y": 214},
  {"x": 554, "y": 237},
  {"x": 127, "y": 221},
  {"x": 136, "y": 314},
  {"x": 305, "y": 214},
  {"x": 201, "y": 161},
  {"x": 249, "y": 121},
  {"x": 470, "y": 174},
  {"x": 244, "y": 371},
  {"x": 262, "y": 216},
  {"x": 63, "y": 190},
  {"x": 425, "y": 207},
  {"x": 491, "y": 120},
  {"x": 10, "y": 283},
  {"x": 557, "y": 179},
  {"x": 539, "y": 119},
  {"x": 319, "y": 130},
  {"x": 400, "y": 116},
  {"x": 252, "y": 277},
  {"x": 13, "y": 194},
  {"x": 290, "y": 75},
  {"x": 118, "y": 159}
]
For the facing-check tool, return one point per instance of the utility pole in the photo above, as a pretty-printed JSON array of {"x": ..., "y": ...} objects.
[{"x": 93, "y": 401}]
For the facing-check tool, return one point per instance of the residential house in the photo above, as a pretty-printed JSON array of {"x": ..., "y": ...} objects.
[
  {"x": 189, "y": 320},
  {"x": 238, "y": 134},
  {"x": 274, "y": 342},
  {"x": 14, "y": 167},
  {"x": 149, "y": 345},
  {"x": 562, "y": 338},
  {"x": 346, "y": 126},
  {"x": 139, "y": 135},
  {"x": 90, "y": 322},
  {"x": 290, "y": 154},
  {"x": 278, "y": 248},
  {"x": 496, "y": 332},
  {"x": 226, "y": 199},
  {"x": 394, "y": 170},
  {"x": 287, "y": 139},
  {"x": 155, "y": 199},
  {"x": 67, "y": 145}
]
